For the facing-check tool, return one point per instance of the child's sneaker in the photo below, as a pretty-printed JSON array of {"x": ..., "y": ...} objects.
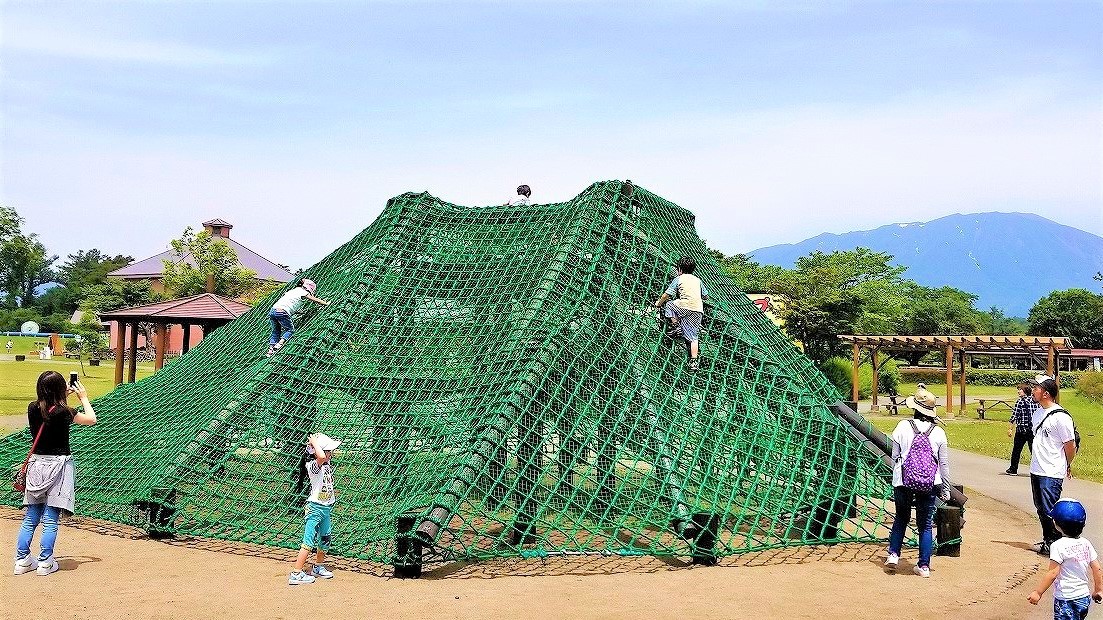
[
  {"x": 271, "y": 351},
  {"x": 922, "y": 571},
  {"x": 892, "y": 560},
  {"x": 47, "y": 566},
  {"x": 299, "y": 577},
  {"x": 694, "y": 364},
  {"x": 25, "y": 565},
  {"x": 322, "y": 571}
]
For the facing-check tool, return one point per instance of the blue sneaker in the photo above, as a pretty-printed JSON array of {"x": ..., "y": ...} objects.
[{"x": 322, "y": 571}]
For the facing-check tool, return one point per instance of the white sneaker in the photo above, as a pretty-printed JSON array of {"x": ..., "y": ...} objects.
[
  {"x": 47, "y": 566},
  {"x": 892, "y": 560},
  {"x": 25, "y": 565},
  {"x": 322, "y": 571},
  {"x": 299, "y": 577},
  {"x": 922, "y": 571}
]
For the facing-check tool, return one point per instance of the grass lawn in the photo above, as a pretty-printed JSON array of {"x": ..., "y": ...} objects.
[
  {"x": 989, "y": 436},
  {"x": 22, "y": 345},
  {"x": 17, "y": 380}
]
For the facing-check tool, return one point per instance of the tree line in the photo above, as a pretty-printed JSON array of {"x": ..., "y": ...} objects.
[
  {"x": 860, "y": 291},
  {"x": 26, "y": 264}
]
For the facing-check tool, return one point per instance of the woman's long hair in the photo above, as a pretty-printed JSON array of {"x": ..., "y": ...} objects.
[{"x": 52, "y": 391}]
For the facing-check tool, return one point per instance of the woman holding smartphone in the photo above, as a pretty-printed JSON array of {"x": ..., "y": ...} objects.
[{"x": 51, "y": 483}]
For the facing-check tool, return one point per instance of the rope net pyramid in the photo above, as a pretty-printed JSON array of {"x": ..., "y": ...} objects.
[{"x": 501, "y": 390}]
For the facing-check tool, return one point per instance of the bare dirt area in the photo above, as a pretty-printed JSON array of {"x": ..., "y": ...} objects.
[{"x": 109, "y": 571}]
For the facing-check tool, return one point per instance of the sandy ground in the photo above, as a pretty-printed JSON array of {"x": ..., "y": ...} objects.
[{"x": 108, "y": 571}]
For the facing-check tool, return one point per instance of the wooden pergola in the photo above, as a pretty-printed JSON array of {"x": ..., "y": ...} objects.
[
  {"x": 207, "y": 310},
  {"x": 1035, "y": 346}
]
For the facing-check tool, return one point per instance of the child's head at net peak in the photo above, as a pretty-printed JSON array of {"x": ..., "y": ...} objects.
[{"x": 686, "y": 265}]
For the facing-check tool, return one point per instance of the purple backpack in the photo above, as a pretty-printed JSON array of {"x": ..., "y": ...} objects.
[{"x": 920, "y": 465}]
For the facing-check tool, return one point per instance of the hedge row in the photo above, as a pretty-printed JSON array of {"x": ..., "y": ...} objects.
[{"x": 980, "y": 376}]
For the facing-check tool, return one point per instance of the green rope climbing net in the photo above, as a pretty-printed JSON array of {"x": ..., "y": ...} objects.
[{"x": 501, "y": 389}]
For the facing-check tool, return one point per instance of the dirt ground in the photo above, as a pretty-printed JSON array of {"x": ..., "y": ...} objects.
[{"x": 110, "y": 572}]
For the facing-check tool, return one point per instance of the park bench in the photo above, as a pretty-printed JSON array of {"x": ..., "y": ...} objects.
[
  {"x": 987, "y": 404},
  {"x": 895, "y": 402}
]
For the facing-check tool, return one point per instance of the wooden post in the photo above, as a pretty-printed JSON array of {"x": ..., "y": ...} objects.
[
  {"x": 964, "y": 362},
  {"x": 120, "y": 350},
  {"x": 854, "y": 376},
  {"x": 162, "y": 332},
  {"x": 873, "y": 362},
  {"x": 949, "y": 378},
  {"x": 187, "y": 338},
  {"x": 1051, "y": 365},
  {"x": 132, "y": 369}
]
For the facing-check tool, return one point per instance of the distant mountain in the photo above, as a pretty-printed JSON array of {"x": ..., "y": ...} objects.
[{"x": 1010, "y": 260}]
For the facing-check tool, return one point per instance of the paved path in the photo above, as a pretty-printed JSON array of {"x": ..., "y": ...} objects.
[{"x": 984, "y": 474}]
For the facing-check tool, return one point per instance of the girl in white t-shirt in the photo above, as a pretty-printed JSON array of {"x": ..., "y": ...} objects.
[
  {"x": 1071, "y": 558},
  {"x": 316, "y": 466},
  {"x": 285, "y": 307}
]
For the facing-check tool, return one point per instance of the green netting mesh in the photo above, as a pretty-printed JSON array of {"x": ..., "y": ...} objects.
[{"x": 501, "y": 389}]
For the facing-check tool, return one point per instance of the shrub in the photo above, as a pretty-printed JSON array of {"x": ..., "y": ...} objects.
[
  {"x": 838, "y": 371},
  {"x": 1090, "y": 385},
  {"x": 980, "y": 376}
]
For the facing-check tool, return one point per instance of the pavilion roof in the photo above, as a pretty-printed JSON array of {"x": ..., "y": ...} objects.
[
  {"x": 972, "y": 344},
  {"x": 198, "y": 308}
]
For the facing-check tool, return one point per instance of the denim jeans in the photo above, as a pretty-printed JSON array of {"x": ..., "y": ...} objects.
[
  {"x": 282, "y": 327},
  {"x": 905, "y": 499},
  {"x": 48, "y": 516},
  {"x": 1046, "y": 492}
]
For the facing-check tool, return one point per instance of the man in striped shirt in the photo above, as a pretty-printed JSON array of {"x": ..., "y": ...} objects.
[{"x": 1021, "y": 430}]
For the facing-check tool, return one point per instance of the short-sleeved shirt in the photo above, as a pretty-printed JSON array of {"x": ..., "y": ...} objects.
[
  {"x": 321, "y": 482},
  {"x": 55, "y": 437},
  {"x": 291, "y": 301},
  {"x": 520, "y": 200},
  {"x": 687, "y": 291},
  {"x": 1075, "y": 556},
  {"x": 903, "y": 437},
  {"x": 1047, "y": 453}
]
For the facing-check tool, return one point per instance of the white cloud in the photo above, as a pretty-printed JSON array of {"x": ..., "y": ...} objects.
[
  {"x": 86, "y": 44},
  {"x": 753, "y": 179}
]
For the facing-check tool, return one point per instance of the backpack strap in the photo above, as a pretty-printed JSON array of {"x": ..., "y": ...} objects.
[{"x": 1051, "y": 412}]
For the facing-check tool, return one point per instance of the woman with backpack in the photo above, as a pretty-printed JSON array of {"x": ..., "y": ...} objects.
[{"x": 920, "y": 453}]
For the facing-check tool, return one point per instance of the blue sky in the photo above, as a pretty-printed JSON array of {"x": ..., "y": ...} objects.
[{"x": 124, "y": 123}]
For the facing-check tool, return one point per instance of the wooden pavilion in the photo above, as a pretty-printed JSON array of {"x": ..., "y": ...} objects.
[
  {"x": 1034, "y": 346},
  {"x": 207, "y": 310}
]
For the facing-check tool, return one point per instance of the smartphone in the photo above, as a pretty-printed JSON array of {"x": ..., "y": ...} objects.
[{"x": 73, "y": 378}]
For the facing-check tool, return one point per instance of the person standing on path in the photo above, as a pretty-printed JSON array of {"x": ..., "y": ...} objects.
[
  {"x": 1051, "y": 456},
  {"x": 1021, "y": 429}
]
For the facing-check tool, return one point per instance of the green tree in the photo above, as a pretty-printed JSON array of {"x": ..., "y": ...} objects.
[
  {"x": 749, "y": 275},
  {"x": 88, "y": 268},
  {"x": 12, "y": 320},
  {"x": 58, "y": 300},
  {"x": 1075, "y": 313},
  {"x": 115, "y": 294},
  {"x": 24, "y": 262},
  {"x": 205, "y": 256},
  {"x": 92, "y": 339},
  {"x": 834, "y": 293}
]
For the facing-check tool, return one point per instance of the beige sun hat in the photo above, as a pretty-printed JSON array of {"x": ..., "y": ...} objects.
[{"x": 923, "y": 401}]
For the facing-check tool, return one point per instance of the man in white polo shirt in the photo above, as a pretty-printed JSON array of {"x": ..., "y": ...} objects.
[{"x": 1051, "y": 455}]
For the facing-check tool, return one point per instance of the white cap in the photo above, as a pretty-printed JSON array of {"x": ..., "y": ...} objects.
[{"x": 325, "y": 442}]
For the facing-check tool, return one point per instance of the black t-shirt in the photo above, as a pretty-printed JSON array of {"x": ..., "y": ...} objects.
[{"x": 55, "y": 438}]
